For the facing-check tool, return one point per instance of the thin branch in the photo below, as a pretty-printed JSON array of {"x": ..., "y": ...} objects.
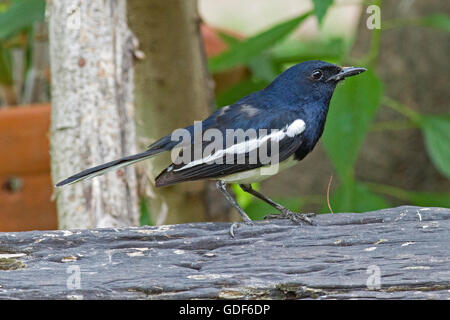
[
  {"x": 393, "y": 125},
  {"x": 401, "y": 108}
]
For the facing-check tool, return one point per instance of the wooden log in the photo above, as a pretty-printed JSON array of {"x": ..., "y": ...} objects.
[{"x": 343, "y": 256}]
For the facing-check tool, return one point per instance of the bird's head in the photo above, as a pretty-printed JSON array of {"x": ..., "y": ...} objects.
[{"x": 314, "y": 80}]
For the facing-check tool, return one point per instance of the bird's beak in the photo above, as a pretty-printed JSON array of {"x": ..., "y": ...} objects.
[{"x": 346, "y": 72}]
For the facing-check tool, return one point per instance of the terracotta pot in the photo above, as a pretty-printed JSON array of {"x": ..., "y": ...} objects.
[
  {"x": 25, "y": 183},
  {"x": 214, "y": 45}
]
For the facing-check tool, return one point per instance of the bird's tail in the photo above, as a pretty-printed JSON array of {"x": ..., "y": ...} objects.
[{"x": 109, "y": 166}]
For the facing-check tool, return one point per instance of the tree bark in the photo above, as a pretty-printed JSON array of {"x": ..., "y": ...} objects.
[
  {"x": 173, "y": 89},
  {"x": 91, "y": 50}
]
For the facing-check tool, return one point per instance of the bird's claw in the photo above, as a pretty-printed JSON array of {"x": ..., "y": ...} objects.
[
  {"x": 293, "y": 216},
  {"x": 236, "y": 225}
]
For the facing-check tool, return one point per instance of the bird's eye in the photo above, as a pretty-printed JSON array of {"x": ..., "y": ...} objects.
[{"x": 317, "y": 75}]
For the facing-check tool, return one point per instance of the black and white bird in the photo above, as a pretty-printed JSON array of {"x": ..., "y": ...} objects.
[{"x": 281, "y": 122}]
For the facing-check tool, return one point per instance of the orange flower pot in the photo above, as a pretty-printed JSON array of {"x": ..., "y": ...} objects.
[{"x": 25, "y": 184}]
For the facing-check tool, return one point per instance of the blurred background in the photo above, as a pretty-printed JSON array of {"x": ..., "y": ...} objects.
[{"x": 390, "y": 140}]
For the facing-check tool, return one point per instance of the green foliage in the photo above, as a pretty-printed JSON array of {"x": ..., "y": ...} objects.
[
  {"x": 268, "y": 64},
  {"x": 352, "y": 111},
  {"x": 20, "y": 14},
  {"x": 243, "y": 198},
  {"x": 243, "y": 52},
  {"x": 5, "y": 67},
  {"x": 332, "y": 49},
  {"x": 424, "y": 199},
  {"x": 321, "y": 7},
  {"x": 144, "y": 219},
  {"x": 239, "y": 90},
  {"x": 256, "y": 208},
  {"x": 438, "y": 21},
  {"x": 428, "y": 199},
  {"x": 355, "y": 197},
  {"x": 263, "y": 67},
  {"x": 17, "y": 18},
  {"x": 436, "y": 130}
]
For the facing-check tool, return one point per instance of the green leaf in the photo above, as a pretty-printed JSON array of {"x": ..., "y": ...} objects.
[
  {"x": 355, "y": 197},
  {"x": 257, "y": 209},
  {"x": 144, "y": 219},
  {"x": 423, "y": 199},
  {"x": 263, "y": 68},
  {"x": 238, "y": 91},
  {"x": 331, "y": 50},
  {"x": 321, "y": 8},
  {"x": 352, "y": 110},
  {"x": 5, "y": 67},
  {"x": 19, "y": 15},
  {"x": 228, "y": 38},
  {"x": 243, "y": 198},
  {"x": 242, "y": 52},
  {"x": 436, "y": 130},
  {"x": 438, "y": 21}
]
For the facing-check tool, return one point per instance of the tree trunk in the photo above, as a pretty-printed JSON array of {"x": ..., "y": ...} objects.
[
  {"x": 91, "y": 50},
  {"x": 172, "y": 90}
]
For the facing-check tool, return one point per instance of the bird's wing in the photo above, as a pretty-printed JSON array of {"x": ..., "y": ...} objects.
[{"x": 275, "y": 137}]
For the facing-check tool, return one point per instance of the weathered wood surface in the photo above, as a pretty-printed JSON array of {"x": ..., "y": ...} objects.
[{"x": 272, "y": 259}]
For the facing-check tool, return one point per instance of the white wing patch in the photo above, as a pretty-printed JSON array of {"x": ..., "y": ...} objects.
[{"x": 295, "y": 128}]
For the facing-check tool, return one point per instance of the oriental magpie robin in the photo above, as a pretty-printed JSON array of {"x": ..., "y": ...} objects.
[{"x": 285, "y": 120}]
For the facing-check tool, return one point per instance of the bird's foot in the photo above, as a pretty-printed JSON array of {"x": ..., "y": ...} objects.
[
  {"x": 293, "y": 216},
  {"x": 236, "y": 225}
]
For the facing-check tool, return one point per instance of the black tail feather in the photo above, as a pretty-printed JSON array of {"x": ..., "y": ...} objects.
[{"x": 103, "y": 168}]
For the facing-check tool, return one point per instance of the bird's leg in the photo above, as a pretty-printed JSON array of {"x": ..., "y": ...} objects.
[
  {"x": 221, "y": 185},
  {"x": 285, "y": 213}
]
